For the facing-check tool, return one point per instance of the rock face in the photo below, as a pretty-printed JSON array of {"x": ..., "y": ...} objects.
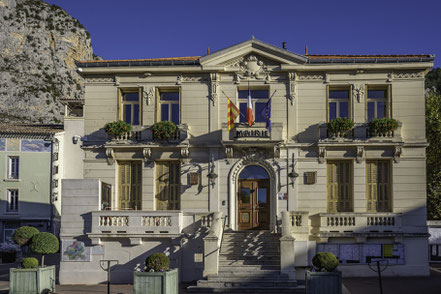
[{"x": 39, "y": 44}]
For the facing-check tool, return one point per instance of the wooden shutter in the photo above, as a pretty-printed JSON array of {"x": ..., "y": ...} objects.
[
  {"x": 339, "y": 186},
  {"x": 130, "y": 174},
  {"x": 168, "y": 185},
  {"x": 378, "y": 186}
]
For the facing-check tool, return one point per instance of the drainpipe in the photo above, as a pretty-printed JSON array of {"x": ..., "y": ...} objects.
[{"x": 51, "y": 219}]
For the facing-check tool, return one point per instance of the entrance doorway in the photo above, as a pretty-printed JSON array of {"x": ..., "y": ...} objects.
[{"x": 253, "y": 199}]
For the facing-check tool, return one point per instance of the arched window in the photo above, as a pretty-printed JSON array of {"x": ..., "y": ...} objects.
[{"x": 253, "y": 172}]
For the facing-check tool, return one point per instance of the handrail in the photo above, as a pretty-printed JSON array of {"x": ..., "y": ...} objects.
[{"x": 223, "y": 230}]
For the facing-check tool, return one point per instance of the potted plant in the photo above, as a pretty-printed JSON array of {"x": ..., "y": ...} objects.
[
  {"x": 117, "y": 129},
  {"x": 324, "y": 278},
  {"x": 383, "y": 126},
  {"x": 31, "y": 278},
  {"x": 164, "y": 130},
  {"x": 340, "y": 127},
  {"x": 157, "y": 277},
  {"x": 23, "y": 236},
  {"x": 8, "y": 252}
]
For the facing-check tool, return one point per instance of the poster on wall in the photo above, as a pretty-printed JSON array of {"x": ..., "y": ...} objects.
[{"x": 74, "y": 251}]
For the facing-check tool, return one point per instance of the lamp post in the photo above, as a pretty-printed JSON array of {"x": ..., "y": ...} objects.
[
  {"x": 212, "y": 175},
  {"x": 293, "y": 175}
]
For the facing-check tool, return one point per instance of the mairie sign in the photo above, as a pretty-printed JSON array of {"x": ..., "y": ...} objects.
[{"x": 252, "y": 133}]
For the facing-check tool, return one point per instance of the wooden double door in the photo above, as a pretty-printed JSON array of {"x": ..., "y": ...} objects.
[{"x": 254, "y": 205}]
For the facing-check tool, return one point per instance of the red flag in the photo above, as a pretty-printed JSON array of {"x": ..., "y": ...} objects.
[{"x": 250, "y": 110}]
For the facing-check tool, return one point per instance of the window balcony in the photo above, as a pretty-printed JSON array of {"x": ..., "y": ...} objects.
[
  {"x": 360, "y": 132},
  {"x": 142, "y": 134},
  {"x": 135, "y": 225},
  {"x": 255, "y": 133}
]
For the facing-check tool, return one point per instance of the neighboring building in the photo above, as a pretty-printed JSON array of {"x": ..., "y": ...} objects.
[
  {"x": 360, "y": 196},
  {"x": 434, "y": 240},
  {"x": 31, "y": 168}
]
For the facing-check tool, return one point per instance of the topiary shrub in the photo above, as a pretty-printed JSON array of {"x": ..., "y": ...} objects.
[
  {"x": 23, "y": 235},
  {"x": 340, "y": 126},
  {"x": 45, "y": 243},
  {"x": 164, "y": 130},
  {"x": 157, "y": 262},
  {"x": 382, "y": 126},
  {"x": 117, "y": 128},
  {"x": 29, "y": 262},
  {"x": 325, "y": 261}
]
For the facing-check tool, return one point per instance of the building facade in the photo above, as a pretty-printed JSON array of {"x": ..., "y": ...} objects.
[{"x": 360, "y": 195}]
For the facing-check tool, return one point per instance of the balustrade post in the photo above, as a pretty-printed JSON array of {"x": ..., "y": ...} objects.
[
  {"x": 211, "y": 246},
  {"x": 287, "y": 252}
]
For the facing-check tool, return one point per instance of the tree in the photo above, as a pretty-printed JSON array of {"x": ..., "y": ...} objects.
[{"x": 433, "y": 151}]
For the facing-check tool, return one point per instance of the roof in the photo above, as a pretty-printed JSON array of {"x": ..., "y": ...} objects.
[
  {"x": 28, "y": 130},
  {"x": 186, "y": 60}
]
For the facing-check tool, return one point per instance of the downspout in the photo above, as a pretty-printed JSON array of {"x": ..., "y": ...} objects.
[{"x": 51, "y": 219}]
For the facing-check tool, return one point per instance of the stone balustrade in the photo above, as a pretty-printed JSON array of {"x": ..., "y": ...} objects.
[
  {"x": 360, "y": 132},
  {"x": 135, "y": 224}
]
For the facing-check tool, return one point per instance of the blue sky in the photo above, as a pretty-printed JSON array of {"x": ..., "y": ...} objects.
[{"x": 133, "y": 29}]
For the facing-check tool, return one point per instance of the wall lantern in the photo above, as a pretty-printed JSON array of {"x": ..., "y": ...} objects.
[
  {"x": 293, "y": 175},
  {"x": 212, "y": 175}
]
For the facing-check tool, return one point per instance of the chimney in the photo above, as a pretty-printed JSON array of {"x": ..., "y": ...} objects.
[
  {"x": 208, "y": 50},
  {"x": 284, "y": 45},
  {"x": 306, "y": 50}
]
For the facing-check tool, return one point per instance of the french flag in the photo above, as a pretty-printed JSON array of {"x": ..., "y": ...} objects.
[{"x": 249, "y": 109}]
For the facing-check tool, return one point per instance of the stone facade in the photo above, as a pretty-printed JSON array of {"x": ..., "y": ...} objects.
[{"x": 299, "y": 155}]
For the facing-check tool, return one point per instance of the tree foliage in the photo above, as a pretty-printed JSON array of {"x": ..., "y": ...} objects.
[
  {"x": 23, "y": 235},
  {"x": 433, "y": 151}
]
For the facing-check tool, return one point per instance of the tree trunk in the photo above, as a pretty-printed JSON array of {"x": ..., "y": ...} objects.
[{"x": 42, "y": 260}]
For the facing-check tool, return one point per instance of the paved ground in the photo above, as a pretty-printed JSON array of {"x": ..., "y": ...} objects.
[{"x": 415, "y": 285}]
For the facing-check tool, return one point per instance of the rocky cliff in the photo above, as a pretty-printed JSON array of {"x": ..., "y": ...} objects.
[{"x": 38, "y": 46}]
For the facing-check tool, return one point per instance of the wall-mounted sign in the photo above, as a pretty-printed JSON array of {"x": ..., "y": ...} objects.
[
  {"x": 310, "y": 178},
  {"x": 252, "y": 133},
  {"x": 194, "y": 178}
]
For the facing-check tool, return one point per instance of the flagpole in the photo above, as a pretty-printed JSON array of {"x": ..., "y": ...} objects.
[{"x": 239, "y": 109}]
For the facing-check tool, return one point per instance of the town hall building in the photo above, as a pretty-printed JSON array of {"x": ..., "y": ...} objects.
[{"x": 222, "y": 189}]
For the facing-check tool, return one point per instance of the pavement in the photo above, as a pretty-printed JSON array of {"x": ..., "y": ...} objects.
[{"x": 391, "y": 285}]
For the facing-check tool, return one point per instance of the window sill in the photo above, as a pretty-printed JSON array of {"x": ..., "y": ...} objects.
[
  {"x": 12, "y": 212},
  {"x": 11, "y": 180}
]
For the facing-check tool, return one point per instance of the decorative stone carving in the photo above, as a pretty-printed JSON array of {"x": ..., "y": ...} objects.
[
  {"x": 101, "y": 80},
  {"x": 311, "y": 77},
  {"x": 276, "y": 151},
  {"x": 322, "y": 154},
  {"x": 408, "y": 75},
  {"x": 145, "y": 75},
  {"x": 397, "y": 153},
  {"x": 149, "y": 95},
  {"x": 117, "y": 80},
  {"x": 268, "y": 79},
  {"x": 292, "y": 77},
  {"x": 110, "y": 156},
  {"x": 251, "y": 67},
  {"x": 358, "y": 92},
  {"x": 179, "y": 79},
  {"x": 147, "y": 154},
  {"x": 327, "y": 78},
  {"x": 193, "y": 78},
  {"x": 236, "y": 79},
  {"x": 360, "y": 154},
  {"x": 229, "y": 152},
  {"x": 250, "y": 155},
  {"x": 215, "y": 79},
  {"x": 185, "y": 152}
]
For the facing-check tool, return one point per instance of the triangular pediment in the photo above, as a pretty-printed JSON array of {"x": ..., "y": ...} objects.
[{"x": 254, "y": 51}]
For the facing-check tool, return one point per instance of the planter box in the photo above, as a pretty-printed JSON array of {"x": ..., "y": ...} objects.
[
  {"x": 323, "y": 282},
  {"x": 9, "y": 257},
  {"x": 32, "y": 280},
  {"x": 156, "y": 283}
]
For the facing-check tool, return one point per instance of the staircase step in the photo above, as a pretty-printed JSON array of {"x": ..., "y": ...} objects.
[
  {"x": 249, "y": 284},
  {"x": 235, "y": 262},
  {"x": 249, "y": 257},
  {"x": 246, "y": 277},
  {"x": 268, "y": 290}
]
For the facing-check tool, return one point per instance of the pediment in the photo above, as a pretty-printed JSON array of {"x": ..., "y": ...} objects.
[{"x": 249, "y": 56}]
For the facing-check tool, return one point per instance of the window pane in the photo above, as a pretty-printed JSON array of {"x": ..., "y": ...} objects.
[
  {"x": 344, "y": 109},
  {"x": 135, "y": 114},
  {"x": 164, "y": 112},
  {"x": 128, "y": 113},
  {"x": 170, "y": 96},
  {"x": 261, "y": 195},
  {"x": 243, "y": 111},
  {"x": 130, "y": 97},
  {"x": 339, "y": 94},
  {"x": 377, "y": 94},
  {"x": 381, "y": 109},
  {"x": 175, "y": 114},
  {"x": 257, "y": 94},
  {"x": 254, "y": 172},
  {"x": 371, "y": 110},
  {"x": 260, "y": 112},
  {"x": 332, "y": 110},
  {"x": 245, "y": 195}
]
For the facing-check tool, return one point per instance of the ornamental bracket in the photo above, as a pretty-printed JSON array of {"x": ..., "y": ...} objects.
[
  {"x": 147, "y": 154},
  {"x": 322, "y": 154},
  {"x": 185, "y": 152},
  {"x": 398, "y": 150},
  {"x": 110, "y": 156},
  {"x": 360, "y": 154}
]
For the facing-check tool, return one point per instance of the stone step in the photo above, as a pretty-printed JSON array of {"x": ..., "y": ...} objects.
[
  {"x": 250, "y": 245},
  {"x": 235, "y": 262},
  {"x": 267, "y": 290},
  {"x": 250, "y": 270},
  {"x": 255, "y": 284},
  {"x": 249, "y": 257},
  {"x": 247, "y": 277},
  {"x": 245, "y": 252}
]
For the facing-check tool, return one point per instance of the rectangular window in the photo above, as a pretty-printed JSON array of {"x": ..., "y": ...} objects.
[
  {"x": 106, "y": 196},
  {"x": 12, "y": 205},
  {"x": 339, "y": 186},
  {"x": 168, "y": 185},
  {"x": 338, "y": 103},
  {"x": 130, "y": 181},
  {"x": 377, "y": 102},
  {"x": 168, "y": 108},
  {"x": 13, "y": 167},
  {"x": 130, "y": 106},
  {"x": 259, "y": 99},
  {"x": 378, "y": 186}
]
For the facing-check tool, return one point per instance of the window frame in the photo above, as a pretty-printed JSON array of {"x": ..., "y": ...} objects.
[
  {"x": 329, "y": 88},
  {"x": 253, "y": 101},
  {"x": 329, "y": 186},
  {"x": 389, "y": 184},
  {"x": 161, "y": 90},
  {"x": 17, "y": 200},
  {"x": 125, "y": 90},
  {"x": 388, "y": 90},
  {"x": 9, "y": 171},
  {"x": 177, "y": 185}
]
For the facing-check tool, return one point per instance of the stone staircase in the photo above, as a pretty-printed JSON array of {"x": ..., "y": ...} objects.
[{"x": 249, "y": 262}]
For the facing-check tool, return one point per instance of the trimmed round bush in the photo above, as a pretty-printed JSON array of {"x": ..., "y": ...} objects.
[
  {"x": 45, "y": 243},
  {"x": 29, "y": 262},
  {"x": 23, "y": 235},
  {"x": 157, "y": 262},
  {"x": 325, "y": 261}
]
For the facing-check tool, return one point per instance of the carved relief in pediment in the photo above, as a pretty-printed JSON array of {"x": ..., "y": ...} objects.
[{"x": 252, "y": 66}]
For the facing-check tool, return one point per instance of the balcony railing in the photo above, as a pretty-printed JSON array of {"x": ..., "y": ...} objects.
[
  {"x": 144, "y": 134},
  {"x": 135, "y": 223},
  {"x": 257, "y": 132},
  {"x": 360, "y": 132}
]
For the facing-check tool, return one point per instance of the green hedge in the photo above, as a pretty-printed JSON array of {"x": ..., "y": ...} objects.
[
  {"x": 23, "y": 235},
  {"x": 29, "y": 262},
  {"x": 325, "y": 261},
  {"x": 157, "y": 262},
  {"x": 383, "y": 125},
  {"x": 340, "y": 125},
  {"x": 117, "y": 128}
]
